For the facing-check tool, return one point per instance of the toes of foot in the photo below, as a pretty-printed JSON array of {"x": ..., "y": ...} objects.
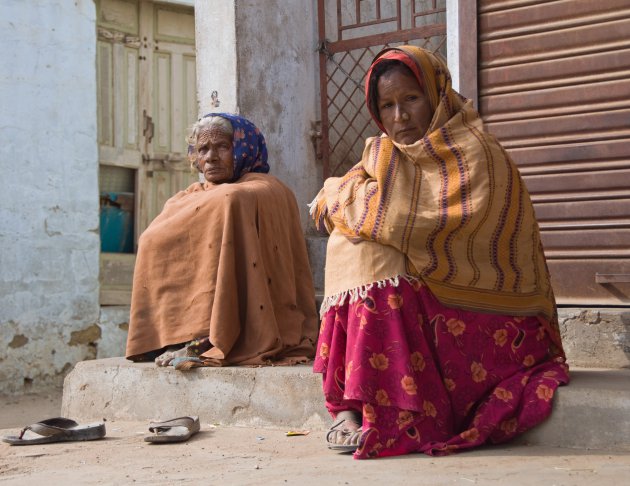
[
  {"x": 353, "y": 438},
  {"x": 345, "y": 437},
  {"x": 169, "y": 354},
  {"x": 164, "y": 359}
]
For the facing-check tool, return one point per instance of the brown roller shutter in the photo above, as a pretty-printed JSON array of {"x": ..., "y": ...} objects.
[{"x": 554, "y": 87}]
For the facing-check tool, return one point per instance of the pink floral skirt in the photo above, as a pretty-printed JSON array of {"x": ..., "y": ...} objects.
[{"x": 432, "y": 379}]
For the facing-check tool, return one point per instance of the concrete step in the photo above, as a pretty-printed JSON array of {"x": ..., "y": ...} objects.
[
  {"x": 592, "y": 413},
  {"x": 118, "y": 389}
]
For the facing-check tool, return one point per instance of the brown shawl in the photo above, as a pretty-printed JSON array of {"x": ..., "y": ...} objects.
[{"x": 227, "y": 262}]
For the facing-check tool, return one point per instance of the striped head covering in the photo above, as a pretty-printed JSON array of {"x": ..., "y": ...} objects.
[
  {"x": 453, "y": 204},
  {"x": 249, "y": 147},
  {"x": 431, "y": 73}
]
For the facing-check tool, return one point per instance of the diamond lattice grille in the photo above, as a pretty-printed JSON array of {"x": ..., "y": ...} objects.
[{"x": 349, "y": 122}]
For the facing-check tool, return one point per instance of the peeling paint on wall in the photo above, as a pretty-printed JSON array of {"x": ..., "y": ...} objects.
[
  {"x": 89, "y": 335},
  {"x": 595, "y": 338},
  {"x": 18, "y": 341}
]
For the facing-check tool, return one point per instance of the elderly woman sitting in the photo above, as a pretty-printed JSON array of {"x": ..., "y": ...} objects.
[{"x": 222, "y": 275}]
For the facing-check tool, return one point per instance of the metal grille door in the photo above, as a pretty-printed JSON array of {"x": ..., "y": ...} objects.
[{"x": 351, "y": 33}]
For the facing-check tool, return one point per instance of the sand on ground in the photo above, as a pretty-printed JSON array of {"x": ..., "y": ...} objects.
[{"x": 254, "y": 456}]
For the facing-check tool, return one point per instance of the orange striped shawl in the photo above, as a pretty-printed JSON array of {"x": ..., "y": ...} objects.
[{"x": 455, "y": 206}]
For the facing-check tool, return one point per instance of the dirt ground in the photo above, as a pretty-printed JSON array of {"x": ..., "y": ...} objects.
[
  {"x": 20, "y": 410},
  {"x": 244, "y": 456}
]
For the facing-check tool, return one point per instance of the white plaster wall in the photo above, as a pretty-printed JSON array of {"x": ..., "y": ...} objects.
[
  {"x": 49, "y": 242},
  {"x": 278, "y": 86},
  {"x": 452, "y": 41},
  {"x": 215, "y": 37},
  {"x": 114, "y": 324},
  {"x": 268, "y": 74}
]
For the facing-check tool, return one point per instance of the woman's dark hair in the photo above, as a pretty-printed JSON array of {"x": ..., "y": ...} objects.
[{"x": 381, "y": 68}]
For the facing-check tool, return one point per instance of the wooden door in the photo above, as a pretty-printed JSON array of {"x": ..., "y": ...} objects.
[
  {"x": 169, "y": 105},
  {"x": 146, "y": 100}
]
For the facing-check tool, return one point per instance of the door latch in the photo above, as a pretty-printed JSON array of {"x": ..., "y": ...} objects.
[
  {"x": 316, "y": 138},
  {"x": 147, "y": 126}
]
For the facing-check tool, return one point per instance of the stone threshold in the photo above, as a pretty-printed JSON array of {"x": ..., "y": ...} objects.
[{"x": 593, "y": 412}]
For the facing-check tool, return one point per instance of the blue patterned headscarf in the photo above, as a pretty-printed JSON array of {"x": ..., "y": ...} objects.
[{"x": 248, "y": 143}]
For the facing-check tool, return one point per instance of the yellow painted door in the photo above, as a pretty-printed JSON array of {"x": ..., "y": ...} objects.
[
  {"x": 146, "y": 100},
  {"x": 169, "y": 100}
]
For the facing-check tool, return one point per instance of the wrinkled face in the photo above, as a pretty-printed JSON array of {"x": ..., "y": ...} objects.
[
  {"x": 214, "y": 155},
  {"x": 403, "y": 108}
]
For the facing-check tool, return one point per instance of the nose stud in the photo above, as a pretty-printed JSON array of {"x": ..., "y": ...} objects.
[{"x": 404, "y": 116}]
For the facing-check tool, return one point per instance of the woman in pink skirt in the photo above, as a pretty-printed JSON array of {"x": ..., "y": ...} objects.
[{"x": 439, "y": 327}]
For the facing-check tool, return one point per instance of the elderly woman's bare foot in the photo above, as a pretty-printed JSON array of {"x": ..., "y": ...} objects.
[
  {"x": 171, "y": 353},
  {"x": 345, "y": 432}
]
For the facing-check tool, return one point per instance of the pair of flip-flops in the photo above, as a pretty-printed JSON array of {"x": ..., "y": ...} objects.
[{"x": 60, "y": 429}]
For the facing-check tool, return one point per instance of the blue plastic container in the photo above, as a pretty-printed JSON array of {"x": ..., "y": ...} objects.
[{"x": 117, "y": 222}]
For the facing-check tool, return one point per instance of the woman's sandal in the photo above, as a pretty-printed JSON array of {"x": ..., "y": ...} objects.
[
  {"x": 58, "y": 429},
  {"x": 351, "y": 436},
  {"x": 175, "y": 430}
]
